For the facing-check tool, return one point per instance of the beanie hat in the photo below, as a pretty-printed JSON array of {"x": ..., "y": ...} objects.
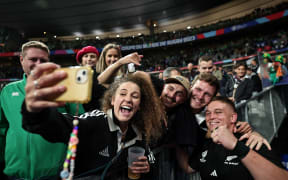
[
  {"x": 279, "y": 58},
  {"x": 84, "y": 50},
  {"x": 267, "y": 55}
]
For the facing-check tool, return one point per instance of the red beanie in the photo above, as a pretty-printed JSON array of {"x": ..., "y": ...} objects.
[{"x": 84, "y": 50}]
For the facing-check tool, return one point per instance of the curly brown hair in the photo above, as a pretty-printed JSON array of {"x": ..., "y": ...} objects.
[{"x": 150, "y": 116}]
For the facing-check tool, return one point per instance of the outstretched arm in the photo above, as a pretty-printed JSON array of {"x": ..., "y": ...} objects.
[
  {"x": 261, "y": 168},
  {"x": 37, "y": 111},
  {"x": 105, "y": 76}
]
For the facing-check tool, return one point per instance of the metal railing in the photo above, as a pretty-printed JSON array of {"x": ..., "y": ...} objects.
[{"x": 265, "y": 112}]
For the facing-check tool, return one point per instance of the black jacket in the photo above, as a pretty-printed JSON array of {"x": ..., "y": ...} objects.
[
  {"x": 97, "y": 135},
  {"x": 243, "y": 91}
]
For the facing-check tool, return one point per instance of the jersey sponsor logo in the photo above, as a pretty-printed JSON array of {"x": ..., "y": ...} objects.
[
  {"x": 213, "y": 173},
  {"x": 229, "y": 160},
  {"x": 204, "y": 154},
  {"x": 104, "y": 152},
  {"x": 15, "y": 94}
]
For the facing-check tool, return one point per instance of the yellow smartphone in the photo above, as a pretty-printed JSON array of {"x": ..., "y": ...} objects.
[{"x": 79, "y": 84}]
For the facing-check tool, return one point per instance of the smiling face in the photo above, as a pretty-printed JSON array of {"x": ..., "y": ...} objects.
[
  {"x": 126, "y": 101},
  {"x": 32, "y": 57},
  {"x": 240, "y": 71},
  {"x": 201, "y": 94},
  {"x": 219, "y": 114},
  {"x": 172, "y": 95},
  {"x": 89, "y": 59},
  {"x": 111, "y": 56},
  {"x": 205, "y": 67}
]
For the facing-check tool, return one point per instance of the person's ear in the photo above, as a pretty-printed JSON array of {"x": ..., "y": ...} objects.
[
  {"x": 234, "y": 118},
  {"x": 21, "y": 58}
]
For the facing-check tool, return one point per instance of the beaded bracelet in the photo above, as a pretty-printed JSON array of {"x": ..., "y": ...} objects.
[{"x": 71, "y": 151}]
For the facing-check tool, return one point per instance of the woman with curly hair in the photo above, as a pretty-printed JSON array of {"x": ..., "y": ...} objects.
[{"x": 132, "y": 116}]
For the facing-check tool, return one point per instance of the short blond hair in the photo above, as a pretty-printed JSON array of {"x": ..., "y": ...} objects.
[{"x": 34, "y": 44}]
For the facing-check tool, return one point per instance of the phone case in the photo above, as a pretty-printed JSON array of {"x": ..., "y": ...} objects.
[{"x": 78, "y": 83}]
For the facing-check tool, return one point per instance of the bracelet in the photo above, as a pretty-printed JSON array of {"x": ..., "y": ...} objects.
[{"x": 241, "y": 150}]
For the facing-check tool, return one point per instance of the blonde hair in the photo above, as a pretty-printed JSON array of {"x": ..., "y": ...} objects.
[
  {"x": 150, "y": 116},
  {"x": 101, "y": 63},
  {"x": 34, "y": 44}
]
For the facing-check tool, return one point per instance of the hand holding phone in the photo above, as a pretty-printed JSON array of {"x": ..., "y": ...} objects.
[{"x": 78, "y": 83}]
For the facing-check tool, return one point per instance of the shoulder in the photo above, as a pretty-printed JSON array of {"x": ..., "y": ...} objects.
[
  {"x": 11, "y": 87},
  {"x": 93, "y": 121},
  {"x": 95, "y": 113}
]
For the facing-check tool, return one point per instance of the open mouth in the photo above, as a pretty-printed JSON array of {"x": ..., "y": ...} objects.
[
  {"x": 214, "y": 124},
  {"x": 125, "y": 109}
]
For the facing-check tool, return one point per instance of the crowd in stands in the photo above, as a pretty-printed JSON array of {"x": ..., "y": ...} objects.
[
  {"x": 55, "y": 44},
  {"x": 233, "y": 46},
  {"x": 180, "y": 55}
]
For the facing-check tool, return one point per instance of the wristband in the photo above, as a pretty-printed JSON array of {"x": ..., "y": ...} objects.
[{"x": 241, "y": 150}]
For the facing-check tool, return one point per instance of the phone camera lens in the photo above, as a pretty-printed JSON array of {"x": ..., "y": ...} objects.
[
  {"x": 84, "y": 72},
  {"x": 78, "y": 79}
]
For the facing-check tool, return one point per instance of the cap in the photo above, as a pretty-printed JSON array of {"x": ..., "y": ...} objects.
[
  {"x": 84, "y": 50},
  {"x": 267, "y": 55},
  {"x": 279, "y": 58},
  {"x": 179, "y": 80}
]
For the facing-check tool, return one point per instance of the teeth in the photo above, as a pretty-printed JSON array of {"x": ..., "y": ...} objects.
[{"x": 126, "y": 107}]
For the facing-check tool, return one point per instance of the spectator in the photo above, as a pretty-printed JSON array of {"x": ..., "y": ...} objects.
[
  {"x": 171, "y": 71},
  {"x": 27, "y": 155},
  {"x": 240, "y": 162},
  {"x": 205, "y": 64},
  {"x": 87, "y": 56},
  {"x": 239, "y": 88},
  {"x": 257, "y": 84}
]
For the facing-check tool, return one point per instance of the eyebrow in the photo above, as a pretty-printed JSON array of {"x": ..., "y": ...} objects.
[
  {"x": 127, "y": 90},
  {"x": 214, "y": 110}
]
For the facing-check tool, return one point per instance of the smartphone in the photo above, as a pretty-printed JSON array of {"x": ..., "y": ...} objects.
[
  {"x": 79, "y": 84},
  {"x": 131, "y": 68}
]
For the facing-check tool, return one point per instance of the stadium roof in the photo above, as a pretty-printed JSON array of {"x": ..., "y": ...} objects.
[{"x": 71, "y": 17}]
